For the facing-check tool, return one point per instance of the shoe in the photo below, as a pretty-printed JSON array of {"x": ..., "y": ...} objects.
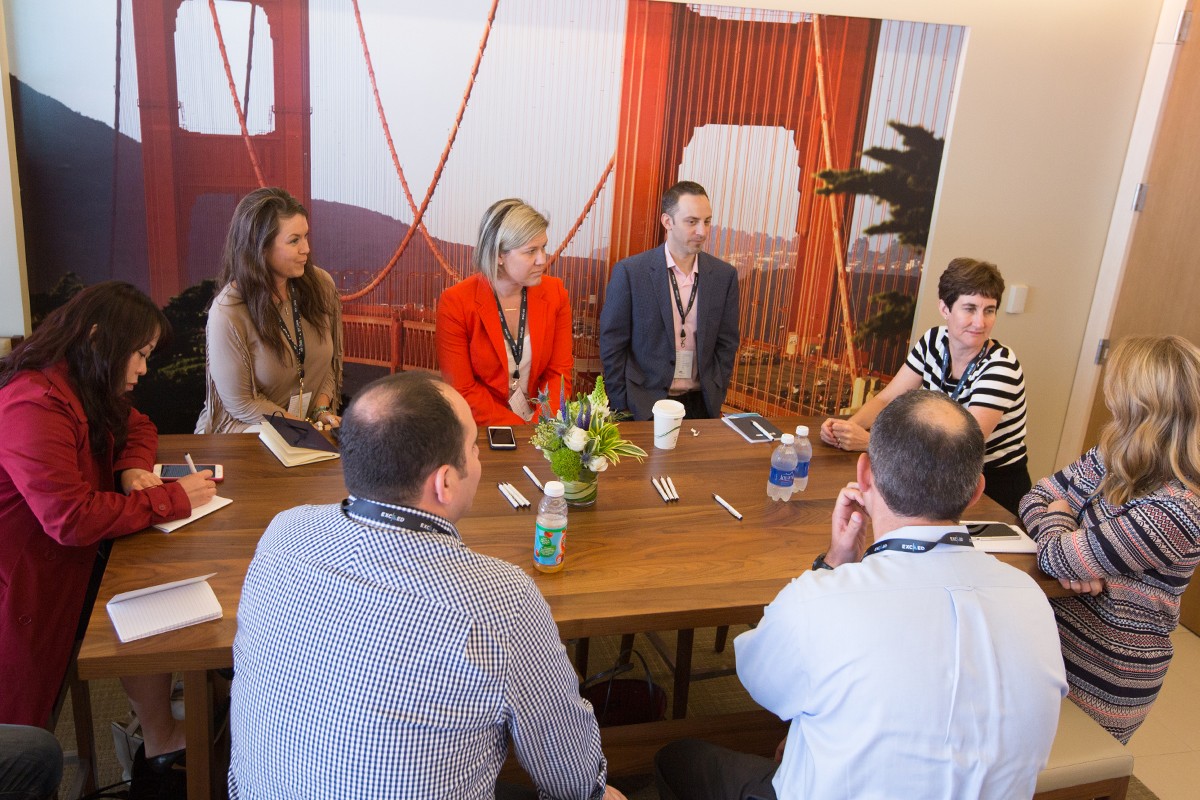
[{"x": 163, "y": 777}]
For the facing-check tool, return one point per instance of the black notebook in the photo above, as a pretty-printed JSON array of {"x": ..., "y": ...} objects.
[
  {"x": 753, "y": 427},
  {"x": 295, "y": 441}
]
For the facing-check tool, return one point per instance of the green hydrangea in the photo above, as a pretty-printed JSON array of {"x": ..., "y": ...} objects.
[{"x": 566, "y": 463}]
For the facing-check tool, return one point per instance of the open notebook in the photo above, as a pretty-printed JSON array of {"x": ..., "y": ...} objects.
[
  {"x": 162, "y": 608},
  {"x": 295, "y": 441}
]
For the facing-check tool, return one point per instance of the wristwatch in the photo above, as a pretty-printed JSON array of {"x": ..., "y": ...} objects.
[{"x": 819, "y": 562}]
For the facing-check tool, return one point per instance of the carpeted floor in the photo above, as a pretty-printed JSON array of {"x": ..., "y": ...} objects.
[{"x": 708, "y": 697}]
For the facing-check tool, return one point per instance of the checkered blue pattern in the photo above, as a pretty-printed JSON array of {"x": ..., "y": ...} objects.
[{"x": 376, "y": 662}]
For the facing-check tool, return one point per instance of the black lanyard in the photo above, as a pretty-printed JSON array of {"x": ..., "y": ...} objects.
[
  {"x": 373, "y": 513},
  {"x": 517, "y": 348},
  {"x": 683, "y": 312},
  {"x": 962, "y": 382},
  {"x": 297, "y": 344},
  {"x": 919, "y": 546}
]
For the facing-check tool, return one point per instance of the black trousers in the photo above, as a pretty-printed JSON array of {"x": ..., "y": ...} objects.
[
  {"x": 693, "y": 404},
  {"x": 694, "y": 770},
  {"x": 1008, "y": 484}
]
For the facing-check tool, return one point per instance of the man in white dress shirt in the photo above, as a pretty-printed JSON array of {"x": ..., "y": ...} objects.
[{"x": 915, "y": 667}]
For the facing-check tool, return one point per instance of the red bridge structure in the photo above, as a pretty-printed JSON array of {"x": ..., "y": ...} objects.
[{"x": 683, "y": 69}]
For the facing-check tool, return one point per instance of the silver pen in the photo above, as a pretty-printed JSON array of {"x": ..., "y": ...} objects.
[
  {"x": 671, "y": 485},
  {"x": 764, "y": 431},
  {"x": 728, "y": 507},
  {"x": 658, "y": 488}
]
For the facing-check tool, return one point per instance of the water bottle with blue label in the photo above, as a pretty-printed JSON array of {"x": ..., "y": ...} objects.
[{"x": 781, "y": 484}]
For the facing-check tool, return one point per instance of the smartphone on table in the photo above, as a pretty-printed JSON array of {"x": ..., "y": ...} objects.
[
  {"x": 173, "y": 472},
  {"x": 500, "y": 437},
  {"x": 992, "y": 530}
]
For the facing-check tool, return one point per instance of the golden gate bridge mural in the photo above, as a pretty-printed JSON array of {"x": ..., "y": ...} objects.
[{"x": 750, "y": 103}]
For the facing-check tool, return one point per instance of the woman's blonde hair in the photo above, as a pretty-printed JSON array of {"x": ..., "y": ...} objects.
[
  {"x": 1152, "y": 388},
  {"x": 506, "y": 225}
]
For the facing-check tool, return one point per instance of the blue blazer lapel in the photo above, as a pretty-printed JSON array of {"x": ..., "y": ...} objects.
[
  {"x": 708, "y": 308},
  {"x": 660, "y": 284}
]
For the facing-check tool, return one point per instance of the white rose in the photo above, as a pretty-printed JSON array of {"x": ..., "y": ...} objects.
[
  {"x": 576, "y": 439},
  {"x": 597, "y": 463}
]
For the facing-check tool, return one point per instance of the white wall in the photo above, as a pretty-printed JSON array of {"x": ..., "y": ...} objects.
[
  {"x": 14, "y": 295},
  {"x": 1046, "y": 102}
]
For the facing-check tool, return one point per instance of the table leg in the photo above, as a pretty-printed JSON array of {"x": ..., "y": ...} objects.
[
  {"x": 683, "y": 672},
  {"x": 197, "y": 703},
  {"x": 581, "y": 656}
]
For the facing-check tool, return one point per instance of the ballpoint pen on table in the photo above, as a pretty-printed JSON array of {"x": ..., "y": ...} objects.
[
  {"x": 191, "y": 464},
  {"x": 512, "y": 500},
  {"x": 671, "y": 485},
  {"x": 765, "y": 432},
  {"x": 533, "y": 478},
  {"x": 727, "y": 507},
  {"x": 658, "y": 488},
  {"x": 524, "y": 501}
]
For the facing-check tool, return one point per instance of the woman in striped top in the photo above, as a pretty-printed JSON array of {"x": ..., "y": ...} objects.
[
  {"x": 1121, "y": 528},
  {"x": 962, "y": 360}
]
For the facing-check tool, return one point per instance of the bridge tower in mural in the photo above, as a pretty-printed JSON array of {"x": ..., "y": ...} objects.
[{"x": 182, "y": 166}]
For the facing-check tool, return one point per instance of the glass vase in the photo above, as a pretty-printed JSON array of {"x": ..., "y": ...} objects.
[{"x": 582, "y": 492}]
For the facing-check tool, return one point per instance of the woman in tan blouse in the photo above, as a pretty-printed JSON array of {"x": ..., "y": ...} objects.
[{"x": 274, "y": 329}]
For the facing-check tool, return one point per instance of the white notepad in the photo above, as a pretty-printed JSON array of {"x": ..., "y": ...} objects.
[
  {"x": 167, "y": 607},
  {"x": 197, "y": 513}
]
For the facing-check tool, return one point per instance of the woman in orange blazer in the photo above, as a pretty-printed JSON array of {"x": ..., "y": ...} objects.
[{"x": 504, "y": 334}]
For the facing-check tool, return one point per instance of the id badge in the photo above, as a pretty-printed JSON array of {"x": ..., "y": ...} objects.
[
  {"x": 519, "y": 404},
  {"x": 683, "y": 364},
  {"x": 297, "y": 403}
]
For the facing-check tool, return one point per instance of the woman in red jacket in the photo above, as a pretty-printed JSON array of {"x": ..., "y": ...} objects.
[
  {"x": 504, "y": 334},
  {"x": 76, "y": 463}
]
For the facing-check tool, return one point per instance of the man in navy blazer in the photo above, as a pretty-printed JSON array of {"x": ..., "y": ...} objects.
[{"x": 662, "y": 334}]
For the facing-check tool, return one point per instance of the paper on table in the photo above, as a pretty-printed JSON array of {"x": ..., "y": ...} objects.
[
  {"x": 197, "y": 513},
  {"x": 162, "y": 608}
]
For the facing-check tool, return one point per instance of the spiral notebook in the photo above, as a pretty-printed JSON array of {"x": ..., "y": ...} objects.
[{"x": 162, "y": 608}]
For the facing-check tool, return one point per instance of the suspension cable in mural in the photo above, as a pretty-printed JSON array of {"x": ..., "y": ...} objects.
[
  {"x": 116, "y": 156},
  {"x": 418, "y": 222},
  {"x": 587, "y": 209},
  {"x": 839, "y": 248},
  {"x": 237, "y": 103}
]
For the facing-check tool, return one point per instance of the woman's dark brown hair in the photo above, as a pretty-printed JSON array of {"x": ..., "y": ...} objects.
[
  {"x": 95, "y": 332},
  {"x": 252, "y": 232}
]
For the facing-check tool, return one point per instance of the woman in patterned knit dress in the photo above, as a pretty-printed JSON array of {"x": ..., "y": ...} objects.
[{"x": 1121, "y": 528}]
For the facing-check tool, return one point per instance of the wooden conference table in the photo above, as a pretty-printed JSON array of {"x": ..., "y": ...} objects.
[{"x": 633, "y": 563}]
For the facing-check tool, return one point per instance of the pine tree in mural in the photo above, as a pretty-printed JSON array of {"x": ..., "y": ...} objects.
[{"x": 907, "y": 183}]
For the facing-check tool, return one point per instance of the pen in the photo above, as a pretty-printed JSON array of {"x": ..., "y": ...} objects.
[
  {"x": 658, "y": 488},
  {"x": 515, "y": 492},
  {"x": 533, "y": 478},
  {"x": 191, "y": 464},
  {"x": 671, "y": 485},
  {"x": 512, "y": 501},
  {"x": 765, "y": 432},
  {"x": 728, "y": 507}
]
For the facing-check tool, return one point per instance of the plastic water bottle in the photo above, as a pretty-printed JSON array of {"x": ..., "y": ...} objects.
[
  {"x": 804, "y": 454},
  {"x": 550, "y": 533},
  {"x": 781, "y": 484}
]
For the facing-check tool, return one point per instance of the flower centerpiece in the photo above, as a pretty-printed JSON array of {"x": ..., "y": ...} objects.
[{"x": 581, "y": 440}]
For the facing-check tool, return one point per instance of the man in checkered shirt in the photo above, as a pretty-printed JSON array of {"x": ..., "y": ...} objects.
[{"x": 377, "y": 656}]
